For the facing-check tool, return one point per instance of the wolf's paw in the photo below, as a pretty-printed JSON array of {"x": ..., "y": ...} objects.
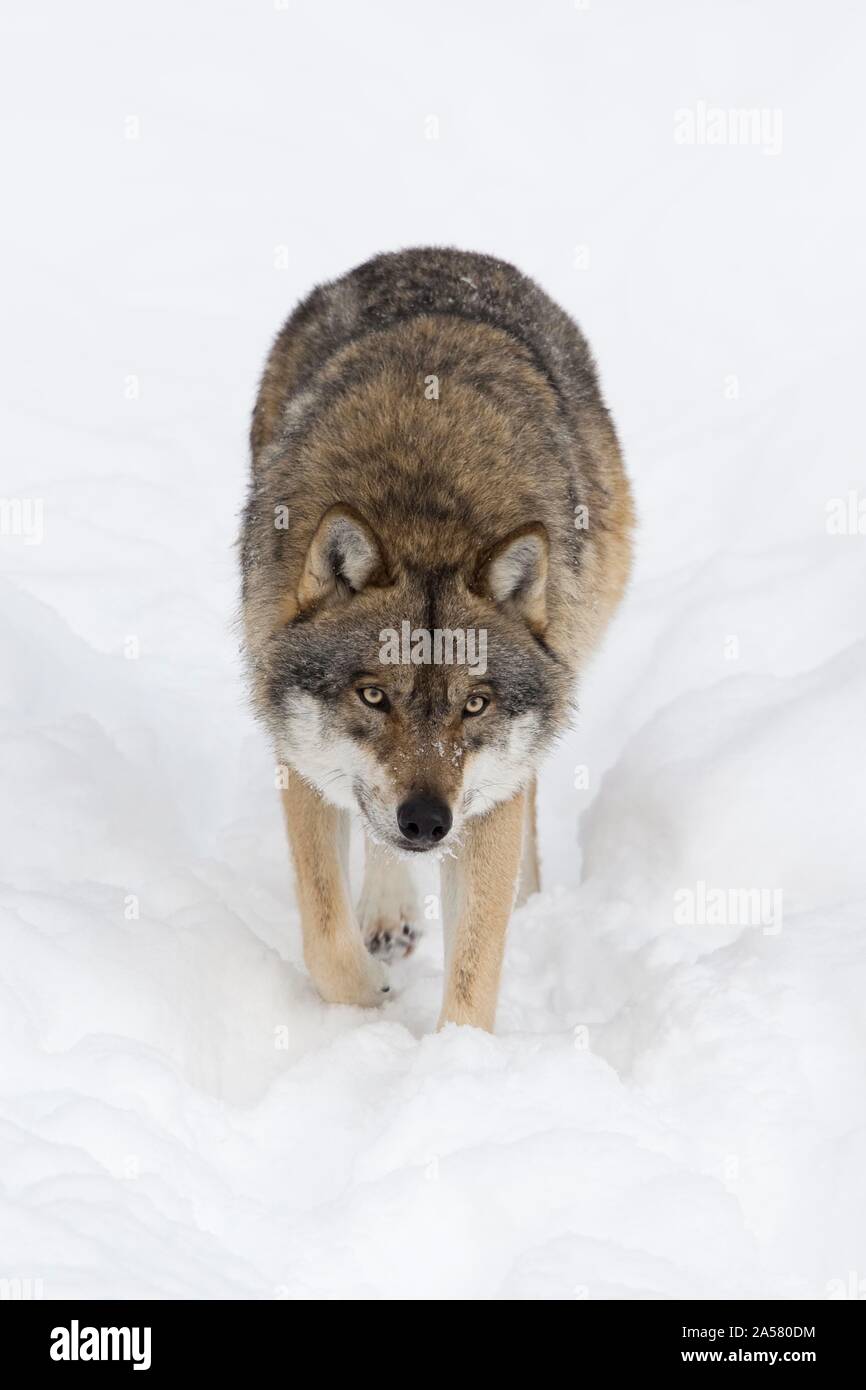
[
  {"x": 391, "y": 941},
  {"x": 349, "y": 977}
]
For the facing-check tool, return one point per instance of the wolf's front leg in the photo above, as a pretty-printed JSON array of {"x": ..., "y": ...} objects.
[
  {"x": 388, "y": 909},
  {"x": 530, "y": 874},
  {"x": 478, "y": 890},
  {"x": 342, "y": 970}
]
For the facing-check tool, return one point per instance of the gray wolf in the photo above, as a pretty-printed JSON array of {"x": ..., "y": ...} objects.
[{"x": 431, "y": 454}]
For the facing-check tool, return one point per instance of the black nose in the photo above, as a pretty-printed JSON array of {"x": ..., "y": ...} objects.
[{"x": 425, "y": 820}]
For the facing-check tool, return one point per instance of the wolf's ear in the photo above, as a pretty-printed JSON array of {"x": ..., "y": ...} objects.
[
  {"x": 344, "y": 557},
  {"x": 514, "y": 574}
]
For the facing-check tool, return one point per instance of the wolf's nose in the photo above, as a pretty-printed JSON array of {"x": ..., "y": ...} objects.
[{"x": 425, "y": 820}]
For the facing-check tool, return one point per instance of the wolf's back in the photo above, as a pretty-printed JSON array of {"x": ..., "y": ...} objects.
[{"x": 402, "y": 285}]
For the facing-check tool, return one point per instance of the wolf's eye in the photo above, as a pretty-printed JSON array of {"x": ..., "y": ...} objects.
[
  {"x": 373, "y": 696},
  {"x": 476, "y": 704}
]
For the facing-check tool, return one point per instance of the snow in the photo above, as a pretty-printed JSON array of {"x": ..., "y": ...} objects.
[{"x": 673, "y": 1101}]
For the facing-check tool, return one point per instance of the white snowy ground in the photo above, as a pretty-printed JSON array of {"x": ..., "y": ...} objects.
[{"x": 666, "y": 1109}]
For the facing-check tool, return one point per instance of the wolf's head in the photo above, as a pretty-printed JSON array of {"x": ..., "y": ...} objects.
[{"x": 419, "y": 696}]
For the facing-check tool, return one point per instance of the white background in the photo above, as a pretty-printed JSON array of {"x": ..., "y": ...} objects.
[{"x": 666, "y": 1109}]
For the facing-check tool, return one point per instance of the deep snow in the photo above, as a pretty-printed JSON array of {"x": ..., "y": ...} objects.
[{"x": 669, "y": 1107}]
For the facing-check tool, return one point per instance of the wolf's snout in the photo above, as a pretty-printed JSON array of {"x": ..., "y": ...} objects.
[{"x": 424, "y": 820}]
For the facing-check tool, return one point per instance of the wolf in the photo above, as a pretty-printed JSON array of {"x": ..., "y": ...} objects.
[{"x": 430, "y": 453}]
